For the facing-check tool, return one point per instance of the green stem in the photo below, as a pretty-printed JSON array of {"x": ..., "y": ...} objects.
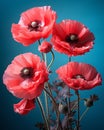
[
  {"x": 55, "y": 104},
  {"x": 53, "y": 57},
  {"x": 43, "y": 112},
  {"x": 41, "y": 53},
  {"x": 46, "y": 85},
  {"x": 45, "y": 58},
  {"x": 46, "y": 103},
  {"x": 45, "y": 94}
]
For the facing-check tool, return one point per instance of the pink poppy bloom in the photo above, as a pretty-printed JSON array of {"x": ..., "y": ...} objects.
[
  {"x": 45, "y": 47},
  {"x": 72, "y": 38},
  {"x": 79, "y": 75},
  {"x": 25, "y": 76},
  {"x": 24, "y": 106},
  {"x": 34, "y": 24}
]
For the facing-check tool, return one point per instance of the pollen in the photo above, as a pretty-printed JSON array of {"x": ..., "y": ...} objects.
[
  {"x": 79, "y": 76},
  {"x": 34, "y": 24},
  {"x": 27, "y": 72},
  {"x": 71, "y": 38}
]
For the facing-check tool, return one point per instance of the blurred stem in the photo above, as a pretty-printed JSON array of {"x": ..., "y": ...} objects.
[
  {"x": 53, "y": 57},
  {"x": 43, "y": 113},
  {"x": 76, "y": 104},
  {"x": 84, "y": 113}
]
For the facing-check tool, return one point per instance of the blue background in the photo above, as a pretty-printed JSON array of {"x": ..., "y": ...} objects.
[{"x": 89, "y": 12}]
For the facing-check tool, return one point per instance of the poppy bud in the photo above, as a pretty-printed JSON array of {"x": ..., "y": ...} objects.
[
  {"x": 63, "y": 108},
  {"x": 88, "y": 102},
  {"x": 45, "y": 47}
]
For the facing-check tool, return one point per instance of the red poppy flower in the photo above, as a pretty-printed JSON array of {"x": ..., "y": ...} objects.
[
  {"x": 25, "y": 76},
  {"x": 72, "y": 38},
  {"x": 45, "y": 47},
  {"x": 79, "y": 75},
  {"x": 34, "y": 24},
  {"x": 24, "y": 106}
]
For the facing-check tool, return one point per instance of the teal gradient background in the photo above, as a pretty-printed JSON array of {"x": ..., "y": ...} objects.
[{"x": 90, "y": 13}]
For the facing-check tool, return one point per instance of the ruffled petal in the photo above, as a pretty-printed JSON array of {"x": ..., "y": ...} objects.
[{"x": 24, "y": 106}]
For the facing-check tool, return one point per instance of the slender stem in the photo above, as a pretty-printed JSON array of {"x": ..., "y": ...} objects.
[
  {"x": 49, "y": 88},
  {"x": 44, "y": 57},
  {"x": 68, "y": 100},
  {"x": 39, "y": 42},
  {"x": 83, "y": 114},
  {"x": 50, "y": 96},
  {"x": 46, "y": 101},
  {"x": 76, "y": 104},
  {"x": 78, "y": 120},
  {"x": 41, "y": 53},
  {"x": 55, "y": 104},
  {"x": 68, "y": 103},
  {"x": 43, "y": 112},
  {"x": 69, "y": 59},
  {"x": 46, "y": 116},
  {"x": 45, "y": 94},
  {"x": 53, "y": 57}
]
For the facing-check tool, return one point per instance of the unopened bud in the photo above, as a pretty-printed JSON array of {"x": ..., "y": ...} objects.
[
  {"x": 88, "y": 102},
  {"x": 63, "y": 108}
]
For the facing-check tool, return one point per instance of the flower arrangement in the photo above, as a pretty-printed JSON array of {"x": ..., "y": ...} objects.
[{"x": 27, "y": 77}]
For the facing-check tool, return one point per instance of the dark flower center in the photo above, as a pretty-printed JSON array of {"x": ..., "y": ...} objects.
[
  {"x": 78, "y": 76},
  {"x": 27, "y": 72},
  {"x": 35, "y": 26},
  {"x": 71, "y": 38}
]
